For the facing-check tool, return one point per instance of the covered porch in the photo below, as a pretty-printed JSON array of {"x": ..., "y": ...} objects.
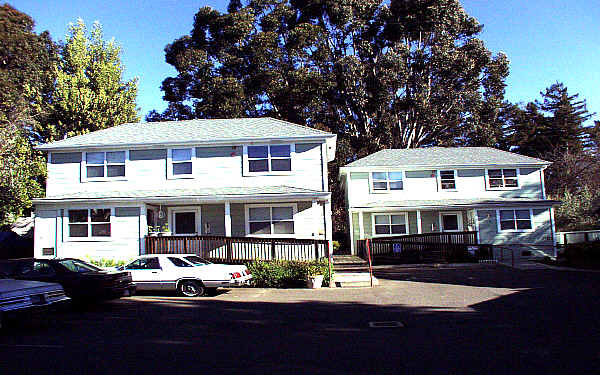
[{"x": 241, "y": 225}]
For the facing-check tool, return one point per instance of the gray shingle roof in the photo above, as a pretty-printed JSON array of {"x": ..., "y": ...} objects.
[
  {"x": 189, "y": 132},
  {"x": 460, "y": 202},
  {"x": 186, "y": 193},
  {"x": 443, "y": 156}
]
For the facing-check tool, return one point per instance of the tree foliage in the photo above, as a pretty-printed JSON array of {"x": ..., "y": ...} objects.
[
  {"x": 380, "y": 74},
  {"x": 90, "y": 92},
  {"x": 26, "y": 82}
]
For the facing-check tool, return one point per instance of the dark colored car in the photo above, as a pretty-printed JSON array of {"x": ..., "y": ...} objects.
[{"x": 80, "y": 280}]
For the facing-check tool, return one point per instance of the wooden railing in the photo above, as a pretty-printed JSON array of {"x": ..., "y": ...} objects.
[
  {"x": 428, "y": 247},
  {"x": 239, "y": 249}
]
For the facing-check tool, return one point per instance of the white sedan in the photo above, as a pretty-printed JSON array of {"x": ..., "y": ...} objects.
[{"x": 188, "y": 274}]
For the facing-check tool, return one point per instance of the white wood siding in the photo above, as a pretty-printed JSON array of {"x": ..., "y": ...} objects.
[
  {"x": 423, "y": 185},
  {"x": 223, "y": 169}
]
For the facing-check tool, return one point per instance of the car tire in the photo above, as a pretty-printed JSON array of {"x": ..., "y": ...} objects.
[{"x": 190, "y": 288}]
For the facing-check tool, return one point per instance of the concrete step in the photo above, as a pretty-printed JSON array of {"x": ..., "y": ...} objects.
[{"x": 353, "y": 280}]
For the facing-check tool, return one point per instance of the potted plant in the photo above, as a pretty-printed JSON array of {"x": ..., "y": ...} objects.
[
  {"x": 152, "y": 231},
  {"x": 314, "y": 278},
  {"x": 164, "y": 231}
]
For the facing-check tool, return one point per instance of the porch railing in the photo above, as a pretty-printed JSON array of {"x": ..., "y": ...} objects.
[
  {"x": 428, "y": 248},
  {"x": 239, "y": 249}
]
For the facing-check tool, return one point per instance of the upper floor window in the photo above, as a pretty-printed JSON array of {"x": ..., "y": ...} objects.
[
  {"x": 270, "y": 220},
  {"x": 89, "y": 223},
  {"x": 386, "y": 181},
  {"x": 104, "y": 165},
  {"x": 514, "y": 220},
  {"x": 181, "y": 162},
  {"x": 447, "y": 180},
  {"x": 390, "y": 224},
  {"x": 502, "y": 178},
  {"x": 268, "y": 159}
]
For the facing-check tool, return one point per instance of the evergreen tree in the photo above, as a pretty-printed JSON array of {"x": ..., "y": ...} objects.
[{"x": 26, "y": 83}]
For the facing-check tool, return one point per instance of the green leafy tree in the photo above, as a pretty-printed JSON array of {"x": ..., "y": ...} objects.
[
  {"x": 403, "y": 73},
  {"x": 26, "y": 83},
  {"x": 90, "y": 92}
]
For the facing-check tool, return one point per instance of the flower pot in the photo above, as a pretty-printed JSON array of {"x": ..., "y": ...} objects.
[{"x": 314, "y": 282}]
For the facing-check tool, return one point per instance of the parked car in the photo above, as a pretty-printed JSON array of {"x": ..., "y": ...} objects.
[
  {"x": 188, "y": 274},
  {"x": 18, "y": 296},
  {"x": 80, "y": 280}
]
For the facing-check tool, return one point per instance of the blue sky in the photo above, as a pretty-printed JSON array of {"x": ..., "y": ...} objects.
[{"x": 545, "y": 40}]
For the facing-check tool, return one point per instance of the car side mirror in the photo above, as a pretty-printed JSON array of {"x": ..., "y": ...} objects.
[{"x": 121, "y": 268}]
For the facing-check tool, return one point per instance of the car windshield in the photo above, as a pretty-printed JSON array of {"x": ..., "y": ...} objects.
[
  {"x": 196, "y": 260},
  {"x": 78, "y": 266}
]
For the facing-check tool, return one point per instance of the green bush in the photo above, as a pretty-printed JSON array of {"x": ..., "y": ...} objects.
[
  {"x": 336, "y": 246},
  {"x": 287, "y": 274},
  {"x": 106, "y": 262},
  {"x": 583, "y": 254}
]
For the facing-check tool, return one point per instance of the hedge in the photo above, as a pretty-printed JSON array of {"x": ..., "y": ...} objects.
[
  {"x": 585, "y": 254},
  {"x": 286, "y": 273}
]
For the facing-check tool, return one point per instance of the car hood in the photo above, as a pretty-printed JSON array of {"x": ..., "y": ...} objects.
[{"x": 12, "y": 288}]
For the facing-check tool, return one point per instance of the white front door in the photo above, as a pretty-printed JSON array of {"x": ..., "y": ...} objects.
[
  {"x": 451, "y": 221},
  {"x": 185, "y": 220},
  {"x": 45, "y": 233}
]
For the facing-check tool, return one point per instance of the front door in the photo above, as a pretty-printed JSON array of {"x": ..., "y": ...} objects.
[
  {"x": 146, "y": 273},
  {"x": 451, "y": 221},
  {"x": 45, "y": 233},
  {"x": 185, "y": 221}
]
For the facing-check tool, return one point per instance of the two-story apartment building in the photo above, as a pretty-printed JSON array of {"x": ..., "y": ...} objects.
[
  {"x": 499, "y": 194},
  {"x": 108, "y": 189}
]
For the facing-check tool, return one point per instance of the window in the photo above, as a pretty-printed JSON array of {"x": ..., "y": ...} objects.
[
  {"x": 514, "y": 220},
  {"x": 502, "y": 178},
  {"x": 385, "y": 181},
  {"x": 390, "y": 224},
  {"x": 269, "y": 158},
  {"x": 89, "y": 223},
  {"x": 104, "y": 165},
  {"x": 447, "y": 180},
  {"x": 144, "y": 264},
  {"x": 270, "y": 220},
  {"x": 74, "y": 265},
  {"x": 180, "y": 162},
  {"x": 178, "y": 262}
]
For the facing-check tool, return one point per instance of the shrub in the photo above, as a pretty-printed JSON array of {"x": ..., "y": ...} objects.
[
  {"x": 583, "y": 254},
  {"x": 286, "y": 273},
  {"x": 102, "y": 262}
]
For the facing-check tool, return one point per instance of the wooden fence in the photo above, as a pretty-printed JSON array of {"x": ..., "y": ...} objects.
[
  {"x": 428, "y": 248},
  {"x": 239, "y": 249}
]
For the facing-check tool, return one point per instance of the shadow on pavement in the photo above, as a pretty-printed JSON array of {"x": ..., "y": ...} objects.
[{"x": 550, "y": 325}]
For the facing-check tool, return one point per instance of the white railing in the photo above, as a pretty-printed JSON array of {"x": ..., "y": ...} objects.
[{"x": 563, "y": 238}]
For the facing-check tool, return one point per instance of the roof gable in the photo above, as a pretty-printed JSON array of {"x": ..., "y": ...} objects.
[
  {"x": 444, "y": 156},
  {"x": 197, "y": 131}
]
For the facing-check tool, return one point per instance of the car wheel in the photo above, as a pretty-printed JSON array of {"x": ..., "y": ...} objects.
[{"x": 190, "y": 288}]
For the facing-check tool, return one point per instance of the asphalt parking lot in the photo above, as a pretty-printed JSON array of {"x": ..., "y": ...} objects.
[{"x": 479, "y": 320}]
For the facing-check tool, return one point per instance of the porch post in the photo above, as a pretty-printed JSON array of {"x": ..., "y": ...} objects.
[
  {"x": 227, "y": 219},
  {"x": 419, "y": 226},
  {"x": 361, "y": 225},
  {"x": 328, "y": 222}
]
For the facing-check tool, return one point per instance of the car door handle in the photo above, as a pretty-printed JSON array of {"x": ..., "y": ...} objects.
[{"x": 154, "y": 271}]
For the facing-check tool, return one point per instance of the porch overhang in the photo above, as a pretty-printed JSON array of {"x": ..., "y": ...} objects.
[
  {"x": 445, "y": 204},
  {"x": 197, "y": 196}
]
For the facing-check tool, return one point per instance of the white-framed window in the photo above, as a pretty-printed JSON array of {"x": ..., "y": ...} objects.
[
  {"x": 185, "y": 220},
  {"x": 505, "y": 178},
  {"x": 451, "y": 221},
  {"x": 84, "y": 224},
  {"x": 392, "y": 224},
  {"x": 447, "y": 180},
  {"x": 272, "y": 220},
  {"x": 180, "y": 162},
  {"x": 268, "y": 159},
  {"x": 104, "y": 165},
  {"x": 382, "y": 182},
  {"x": 515, "y": 220}
]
